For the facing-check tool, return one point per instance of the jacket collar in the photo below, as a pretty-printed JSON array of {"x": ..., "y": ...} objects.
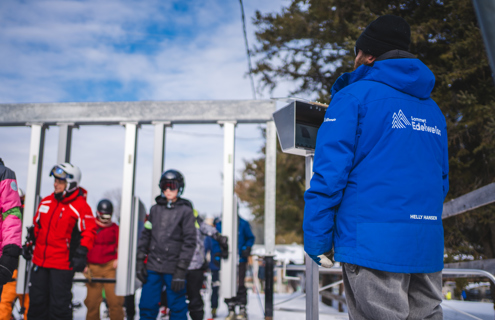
[{"x": 399, "y": 71}]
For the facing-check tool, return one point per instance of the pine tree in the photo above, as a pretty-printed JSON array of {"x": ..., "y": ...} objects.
[{"x": 311, "y": 42}]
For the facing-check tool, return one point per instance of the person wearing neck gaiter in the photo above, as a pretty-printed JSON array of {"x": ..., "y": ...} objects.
[
  {"x": 63, "y": 232},
  {"x": 102, "y": 263}
]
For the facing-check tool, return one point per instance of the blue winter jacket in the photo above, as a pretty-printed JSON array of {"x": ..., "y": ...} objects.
[
  {"x": 380, "y": 171},
  {"x": 245, "y": 237},
  {"x": 215, "y": 251}
]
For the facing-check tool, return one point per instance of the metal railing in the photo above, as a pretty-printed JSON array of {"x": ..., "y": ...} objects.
[{"x": 338, "y": 271}]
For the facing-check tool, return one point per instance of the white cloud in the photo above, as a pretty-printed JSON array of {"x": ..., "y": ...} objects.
[{"x": 129, "y": 50}]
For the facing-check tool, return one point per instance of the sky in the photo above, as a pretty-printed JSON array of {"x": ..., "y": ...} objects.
[{"x": 75, "y": 51}]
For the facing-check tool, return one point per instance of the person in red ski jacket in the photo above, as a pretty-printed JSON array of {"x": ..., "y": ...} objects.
[
  {"x": 102, "y": 262},
  {"x": 64, "y": 230}
]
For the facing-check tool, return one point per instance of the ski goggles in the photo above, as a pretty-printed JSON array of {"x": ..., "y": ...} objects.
[
  {"x": 169, "y": 184},
  {"x": 59, "y": 173}
]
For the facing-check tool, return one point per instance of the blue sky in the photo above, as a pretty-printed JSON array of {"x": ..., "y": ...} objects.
[{"x": 58, "y": 51}]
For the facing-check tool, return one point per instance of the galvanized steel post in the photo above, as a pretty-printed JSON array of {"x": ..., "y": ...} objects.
[
  {"x": 312, "y": 272},
  {"x": 485, "y": 11},
  {"x": 270, "y": 210},
  {"x": 32, "y": 192},
  {"x": 228, "y": 273},
  {"x": 158, "y": 157},
  {"x": 64, "y": 142},
  {"x": 125, "y": 277}
]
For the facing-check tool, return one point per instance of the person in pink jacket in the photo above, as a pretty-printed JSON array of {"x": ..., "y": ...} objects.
[{"x": 10, "y": 224}]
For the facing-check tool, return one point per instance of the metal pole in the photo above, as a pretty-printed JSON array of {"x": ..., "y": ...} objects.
[
  {"x": 64, "y": 142},
  {"x": 32, "y": 191},
  {"x": 228, "y": 274},
  {"x": 123, "y": 275},
  {"x": 312, "y": 273},
  {"x": 270, "y": 210},
  {"x": 268, "y": 287},
  {"x": 158, "y": 157},
  {"x": 485, "y": 11}
]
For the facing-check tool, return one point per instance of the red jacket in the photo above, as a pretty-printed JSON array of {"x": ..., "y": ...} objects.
[
  {"x": 60, "y": 227},
  {"x": 106, "y": 244}
]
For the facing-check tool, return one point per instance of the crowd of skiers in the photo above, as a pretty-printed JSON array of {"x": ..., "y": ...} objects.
[{"x": 66, "y": 238}]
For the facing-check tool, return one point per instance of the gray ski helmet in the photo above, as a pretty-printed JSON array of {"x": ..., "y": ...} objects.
[
  {"x": 173, "y": 179},
  {"x": 104, "y": 210}
]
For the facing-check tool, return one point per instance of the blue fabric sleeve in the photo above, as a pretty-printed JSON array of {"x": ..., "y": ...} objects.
[
  {"x": 207, "y": 244},
  {"x": 333, "y": 160},
  {"x": 249, "y": 235}
]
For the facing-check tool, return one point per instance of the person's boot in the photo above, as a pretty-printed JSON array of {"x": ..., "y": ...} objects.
[
  {"x": 242, "y": 315},
  {"x": 214, "y": 312},
  {"x": 231, "y": 305}
]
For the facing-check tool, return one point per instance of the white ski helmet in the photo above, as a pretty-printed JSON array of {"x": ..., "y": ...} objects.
[{"x": 68, "y": 172}]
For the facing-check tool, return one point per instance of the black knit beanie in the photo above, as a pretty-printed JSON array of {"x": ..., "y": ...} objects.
[{"x": 386, "y": 33}]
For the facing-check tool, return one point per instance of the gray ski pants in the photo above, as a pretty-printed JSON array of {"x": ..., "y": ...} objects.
[{"x": 380, "y": 295}]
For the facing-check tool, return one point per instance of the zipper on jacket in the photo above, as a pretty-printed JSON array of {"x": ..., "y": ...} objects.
[{"x": 47, "y": 233}]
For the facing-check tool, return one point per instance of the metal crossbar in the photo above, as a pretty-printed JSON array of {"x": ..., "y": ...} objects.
[{"x": 446, "y": 271}]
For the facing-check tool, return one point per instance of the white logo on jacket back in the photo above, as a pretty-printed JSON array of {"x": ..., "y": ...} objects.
[{"x": 399, "y": 121}]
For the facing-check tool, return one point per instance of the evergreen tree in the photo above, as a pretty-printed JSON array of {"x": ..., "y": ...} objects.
[{"x": 311, "y": 42}]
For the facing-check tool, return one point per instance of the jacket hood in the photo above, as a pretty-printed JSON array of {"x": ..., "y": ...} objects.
[
  {"x": 410, "y": 76},
  {"x": 180, "y": 202}
]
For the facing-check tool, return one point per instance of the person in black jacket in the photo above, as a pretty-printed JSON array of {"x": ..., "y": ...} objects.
[{"x": 168, "y": 242}]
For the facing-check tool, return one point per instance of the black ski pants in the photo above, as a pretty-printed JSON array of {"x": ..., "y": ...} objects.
[
  {"x": 241, "y": 285},
  {"x": 50, "y": 294},
  {"x": 194, "y": 283}
]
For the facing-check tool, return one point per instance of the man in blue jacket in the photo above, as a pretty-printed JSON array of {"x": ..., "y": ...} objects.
[
  {"x": 380, "y": 179},
  {"x": 245, "y": 241}
]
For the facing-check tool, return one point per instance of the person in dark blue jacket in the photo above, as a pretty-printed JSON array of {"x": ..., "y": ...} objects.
[
  {"x": 213, "y": 247},
  {"x": 380, "y": 179},
  {"x": 245, "y": 241}
]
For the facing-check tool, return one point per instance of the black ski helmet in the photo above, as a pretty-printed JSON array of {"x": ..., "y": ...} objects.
[
  {"x": 104, "y": 210},
  {"x": 172, "y": 175}
]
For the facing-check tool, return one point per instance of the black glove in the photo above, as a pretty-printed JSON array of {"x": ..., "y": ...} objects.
[
  {"x": 246, "y": 252},
  {"x": 27, "y": 248},
  {"x": 79, "y": 260},
  {"x": 179, "y": 278},
  {"x": 30, "y": 238},
  {"x": 27, "y": 252},
  {"x": 223, "y": 241},
  {"x": 8, "y": 262},
  {"x": 141, "y": 272}
]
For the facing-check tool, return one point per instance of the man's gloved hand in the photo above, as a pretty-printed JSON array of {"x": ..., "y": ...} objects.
[
  {"x": 141, "y": 272},
  {"x": 223, "y": 241},
  {"x": 79, "y": 260},
  {"x": 8, "y": 262},
  {"x": 179, "y": 278},
  {"x": 325, "y": 260},
  {"x": 246, "y": 252}
]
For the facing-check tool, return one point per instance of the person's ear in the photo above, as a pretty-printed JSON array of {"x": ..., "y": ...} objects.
[{"x": 370, "y": 59}]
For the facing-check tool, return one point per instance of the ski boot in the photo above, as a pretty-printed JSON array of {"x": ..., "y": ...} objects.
[
  {"x": 231, "y": 303},
  {"x": 242, "y": 315}
]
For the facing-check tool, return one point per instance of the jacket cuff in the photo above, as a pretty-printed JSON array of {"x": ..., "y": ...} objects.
[
  {"x": 12, "y": 250},
  {"x": 317, "y": 247},
  {"x": 183, "y": 264}
]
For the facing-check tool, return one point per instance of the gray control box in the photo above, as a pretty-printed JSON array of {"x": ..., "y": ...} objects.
[{"x": 297, "y": 126}]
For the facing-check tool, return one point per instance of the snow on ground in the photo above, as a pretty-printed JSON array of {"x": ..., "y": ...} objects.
[{"x": 295, "y": 309}]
